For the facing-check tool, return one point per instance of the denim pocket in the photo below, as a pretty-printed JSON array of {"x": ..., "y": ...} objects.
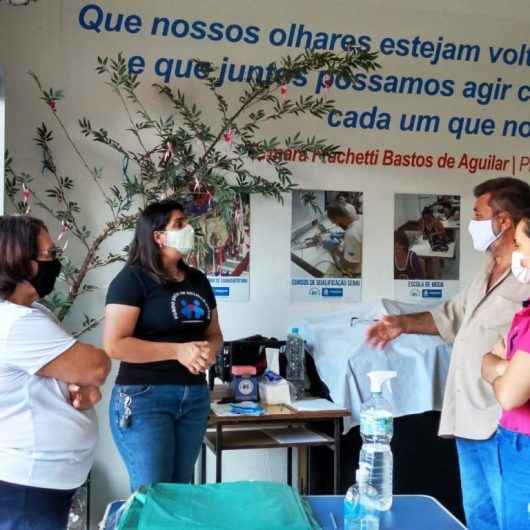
[{"x": 133, "y": 390}]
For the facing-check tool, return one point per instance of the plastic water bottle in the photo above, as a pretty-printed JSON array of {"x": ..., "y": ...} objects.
[
  {"x": 376, "y": 433},
  {"x": 351, "y": 507},
  {"x": 295, "y": 355},
  {"x": 360, "y": 504}
]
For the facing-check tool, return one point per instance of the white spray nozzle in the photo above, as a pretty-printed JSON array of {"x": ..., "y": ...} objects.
[{"x": 379, "y": 377}]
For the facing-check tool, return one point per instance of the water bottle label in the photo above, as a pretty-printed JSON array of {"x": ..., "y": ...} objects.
[{"x": 376, "y": 425}]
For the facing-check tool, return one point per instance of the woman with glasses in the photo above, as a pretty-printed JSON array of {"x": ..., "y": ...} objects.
[
  {"x": 48, "y": 386},
  {"x": 161, "y": 323}
]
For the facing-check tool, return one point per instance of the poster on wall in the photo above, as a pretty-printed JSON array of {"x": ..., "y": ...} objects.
[
  {"x": 326, "y": 245},
  {"x": 222, "y": 245},
  {"x": 426, "y": 246}
]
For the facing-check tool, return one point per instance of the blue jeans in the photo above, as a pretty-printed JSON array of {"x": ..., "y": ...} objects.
[
  {"x": 514, "y": 451},
  {"x": 481, "y": 482},
  {"x": 158, "y": 430},
  {"x": 28, "y": 508}
]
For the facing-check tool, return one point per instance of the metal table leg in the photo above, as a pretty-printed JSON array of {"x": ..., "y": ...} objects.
[
  {"x": 302, "y": 469},
  {"x": 336, "y": 457},
  {"x": 308, "y": 467},
  {"x": 290, "y": 466},
  {"x": 218, "y": 453},
  {"x": 203, "y": 463}
]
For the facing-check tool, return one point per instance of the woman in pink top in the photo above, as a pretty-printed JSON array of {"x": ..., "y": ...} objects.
[{"x": 507, "y": 368}]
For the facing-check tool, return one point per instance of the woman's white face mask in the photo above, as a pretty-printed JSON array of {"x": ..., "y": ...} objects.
[
  {"x": 482, "y": 234},
  {"x": 182, "y": 240},
  {"x": 521, "y": 273}
]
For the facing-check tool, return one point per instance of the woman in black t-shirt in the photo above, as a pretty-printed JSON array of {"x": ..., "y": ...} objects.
[{"x": 161, "y": 323}]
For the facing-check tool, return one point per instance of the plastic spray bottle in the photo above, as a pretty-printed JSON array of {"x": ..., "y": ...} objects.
[{"x": 376, "y": 432}]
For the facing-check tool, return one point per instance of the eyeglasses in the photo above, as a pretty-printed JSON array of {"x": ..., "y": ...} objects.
[{"x": 51, "y": 253}]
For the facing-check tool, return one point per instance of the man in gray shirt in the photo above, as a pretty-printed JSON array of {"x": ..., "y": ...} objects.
[{"x": 473, "y": 322}]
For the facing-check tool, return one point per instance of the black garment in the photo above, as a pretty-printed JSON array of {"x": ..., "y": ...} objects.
[
  {"x": 171, "y": 312},
  {"x": 47, "y": 273}
]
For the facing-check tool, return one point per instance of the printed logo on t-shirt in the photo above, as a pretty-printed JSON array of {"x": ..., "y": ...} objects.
[{"x": 189, "y": 307}]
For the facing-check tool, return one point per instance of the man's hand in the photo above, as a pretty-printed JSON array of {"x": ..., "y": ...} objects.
[
  {"x": 492, "y": 367},
  {"x": 382, "y": 332},
  {"x": 195, "y": 356},
  {"x": 84, "y": 397}
]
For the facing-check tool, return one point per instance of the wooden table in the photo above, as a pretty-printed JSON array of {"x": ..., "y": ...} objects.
[{"x": 265, "y": 432}]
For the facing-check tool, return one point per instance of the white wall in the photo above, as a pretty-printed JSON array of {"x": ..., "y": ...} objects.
[
  {"x": 407, "y": 209},
  {"x": 47, "y": 39},
  {"x": 304, "y": 215}
]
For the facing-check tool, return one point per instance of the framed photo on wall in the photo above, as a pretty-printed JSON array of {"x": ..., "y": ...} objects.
[
  {"x": 426, "y": 246},
  {"x": 326, "y": 245}
]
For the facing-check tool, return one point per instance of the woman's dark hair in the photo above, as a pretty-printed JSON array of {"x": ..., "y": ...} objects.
[
  {"x": 18, "y": 247},
  {"x": 427, "y": 211},
  {"x": 338, "y": 211},
  {"x": 525, "y": 221},
  {"x": 144, "y": 251},
  {"x": 401, "y": 239}
]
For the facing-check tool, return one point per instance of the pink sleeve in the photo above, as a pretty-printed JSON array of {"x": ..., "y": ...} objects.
[{"x": 523, "y": 342}]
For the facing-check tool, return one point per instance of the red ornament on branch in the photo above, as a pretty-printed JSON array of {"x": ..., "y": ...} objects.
[
  {"x": 328, "y": 81},
  {"x": 26, "y": 197},
  {"x": 228, "y": 136},
  {"x": 168, "y": 154},
  {"x": 65, "y": 228}
]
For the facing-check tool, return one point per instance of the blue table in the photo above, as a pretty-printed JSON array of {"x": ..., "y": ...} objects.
[{"x": 409, "y": 512}]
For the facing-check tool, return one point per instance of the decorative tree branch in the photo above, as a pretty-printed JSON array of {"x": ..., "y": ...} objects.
[
  {"x": 51, "y": 98},
  {"x": 90, "y": 257},
  {"x": 190, "y": 157},
  {"x": 88, "y": 324}
]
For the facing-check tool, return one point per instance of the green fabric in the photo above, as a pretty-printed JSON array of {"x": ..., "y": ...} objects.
[{"x": 228, "y": 506}]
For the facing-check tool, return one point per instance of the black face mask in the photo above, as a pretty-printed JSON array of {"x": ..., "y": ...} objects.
[{"x": 44, "y": 281}]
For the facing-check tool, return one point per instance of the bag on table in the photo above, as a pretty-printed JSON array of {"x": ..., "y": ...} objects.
[{"x": 225, "y": 506}]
